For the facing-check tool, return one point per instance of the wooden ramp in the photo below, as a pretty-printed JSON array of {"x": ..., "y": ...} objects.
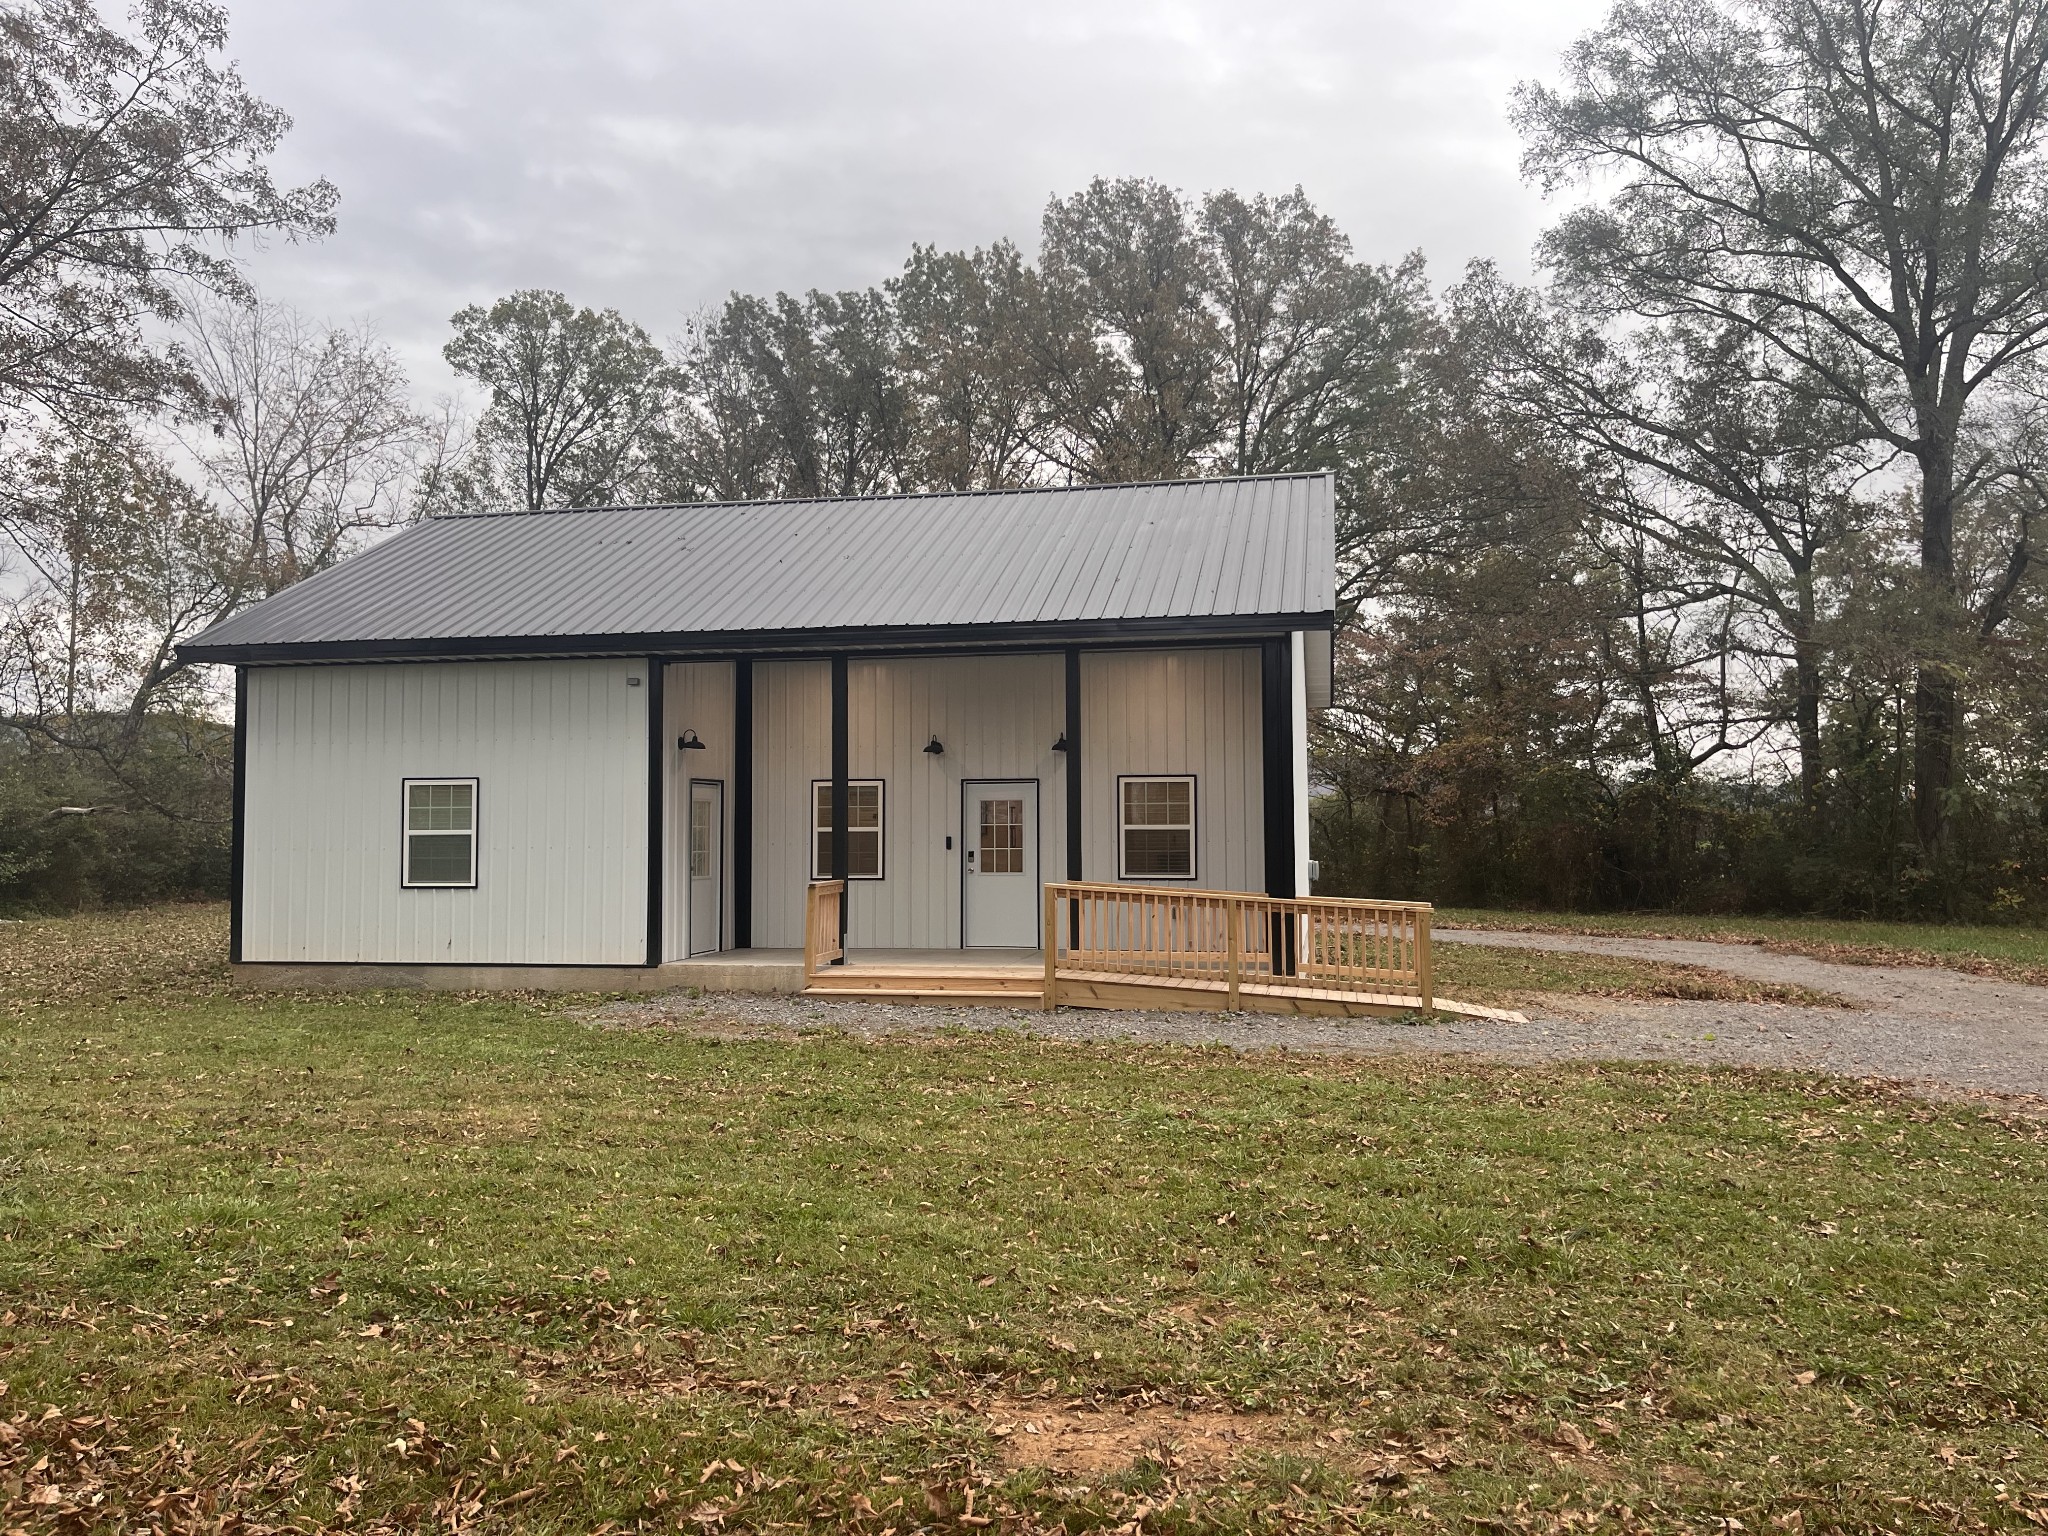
[{"x": 1155, "y": 957}]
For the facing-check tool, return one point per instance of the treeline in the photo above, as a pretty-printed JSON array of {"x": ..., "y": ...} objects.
[{"x": 1701, "y": 573}]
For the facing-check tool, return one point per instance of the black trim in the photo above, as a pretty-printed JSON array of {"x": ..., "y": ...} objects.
[
  {"x": 743, "y": 804},
  {"x": 717, "y": 875},
  {"x": 910, "y": 637},
  {"x": 476, "y": 830},
  {"x": 1194, "y": 825},
  {"x": 1073, "y": 660},
  {"x": 968, "y": 843},
  {"x": 1276, "y": 710},
  {"x": 840, "y": 754},
  {"x": 657, "y": 797},
  {"x": 237, "y": 837}
]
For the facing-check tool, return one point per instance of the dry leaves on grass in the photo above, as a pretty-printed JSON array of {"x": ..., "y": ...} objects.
[{"x": 105, "y": 957}]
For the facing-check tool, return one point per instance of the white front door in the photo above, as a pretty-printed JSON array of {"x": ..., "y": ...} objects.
[
  {"x": 1000, "y": 827},
  {"x": 707, "y": 864}
]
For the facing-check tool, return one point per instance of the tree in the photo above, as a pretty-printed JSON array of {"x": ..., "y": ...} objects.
[
  {"x": 1855, "y": 186},
  {"x": 576, "y": 396},
  {"x": 308, "y": 438},
  {"x": 126, "y": 160},
  {"x": 120, "y": 561}
]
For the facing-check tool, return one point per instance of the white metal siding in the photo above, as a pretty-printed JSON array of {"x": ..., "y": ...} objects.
[
  {"x": 792, "y": 746},
  {"x": 1177, "y": 712},
  {"x": 1298, "y": 736},
  {"x": 997, "y": 717},
  {"x": 696, "y": 696},
  {"x": 559, "y": 750}
]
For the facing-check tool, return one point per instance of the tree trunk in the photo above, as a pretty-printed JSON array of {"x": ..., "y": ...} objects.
[
  {"x": 1806, "y": 708},
  {"x": 1934, "y": 690}
]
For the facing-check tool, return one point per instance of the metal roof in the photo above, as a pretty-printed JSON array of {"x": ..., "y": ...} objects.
[{"x": 1188, "y": 556}]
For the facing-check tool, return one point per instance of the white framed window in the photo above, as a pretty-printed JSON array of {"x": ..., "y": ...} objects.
[
  {"x": 863, "y": 829},
  {"x": 440, "y": 833},
  {"x": 1156, "y": 828}
]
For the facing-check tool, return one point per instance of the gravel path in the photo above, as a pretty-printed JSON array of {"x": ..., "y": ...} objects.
[{"x": 1942, "y": 1031}]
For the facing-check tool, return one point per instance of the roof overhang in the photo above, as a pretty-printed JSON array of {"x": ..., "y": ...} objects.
[{"x": 1208, "y": 629}]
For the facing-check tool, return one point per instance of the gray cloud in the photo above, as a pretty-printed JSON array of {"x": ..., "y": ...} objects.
[{"x": 654, "y": 156}]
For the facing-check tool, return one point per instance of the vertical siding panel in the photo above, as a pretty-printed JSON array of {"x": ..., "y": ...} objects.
[{"x": 560, "y": 751}]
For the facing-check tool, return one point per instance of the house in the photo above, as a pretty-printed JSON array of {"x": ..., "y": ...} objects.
[{"x": 588, "y": 747}]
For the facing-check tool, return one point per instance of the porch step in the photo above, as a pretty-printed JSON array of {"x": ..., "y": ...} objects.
[
  {"x": 920, "y": 979},
  {"x": 959, "y": 997}
]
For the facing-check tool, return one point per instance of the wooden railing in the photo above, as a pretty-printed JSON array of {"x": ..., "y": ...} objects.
[
  {"x": 822, "y": 903},
  {"x": 1328, "y": 943}
]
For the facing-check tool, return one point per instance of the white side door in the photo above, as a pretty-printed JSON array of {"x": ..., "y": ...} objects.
[
  {"x": 999, "y": 822},
  {"x": 707, "y": 865}
]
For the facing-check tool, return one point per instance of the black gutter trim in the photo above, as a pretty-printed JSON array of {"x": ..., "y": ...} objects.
[
  {"x": 1049, "y": 636},
  {"x": 238, "y": 843},
  {"x": 657, "y": 761},
  {"x": 743, "y": 803},
  {"x": 841, "y": 833}
]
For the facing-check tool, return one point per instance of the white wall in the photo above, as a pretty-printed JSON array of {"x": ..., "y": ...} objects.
[
  {"x": 560, "y": 750},
  {"x": 1174, "y": 712},
  {"x": 696, "y": 696},
  {"x": 997, "y": 717}
]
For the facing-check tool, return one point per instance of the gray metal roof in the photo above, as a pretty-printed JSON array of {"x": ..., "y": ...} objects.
[{"x": 1220, "y": 556}]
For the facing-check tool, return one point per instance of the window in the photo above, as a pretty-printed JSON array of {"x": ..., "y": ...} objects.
[
  {"x": 700, "y": 837},
  {"x": 440, "y": 832},
  {"x": 1156, "y": 829},
  {"x": 1002, "y": 837},
  {"x": 863, "y": 829}
]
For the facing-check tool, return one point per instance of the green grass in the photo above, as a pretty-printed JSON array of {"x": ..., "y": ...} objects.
[
  {"x": 402, "y": 1262},
  {"x": 2017, "y": 953}
]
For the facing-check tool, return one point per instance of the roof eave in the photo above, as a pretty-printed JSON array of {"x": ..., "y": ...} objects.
[{"x": 795, "y": 642}]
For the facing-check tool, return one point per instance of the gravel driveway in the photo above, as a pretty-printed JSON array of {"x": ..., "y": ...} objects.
[{"x": 1944, "y": 1032}]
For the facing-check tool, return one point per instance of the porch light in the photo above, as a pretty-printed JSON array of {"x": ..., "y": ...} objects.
[
  {"x": 934, "y": 748},
  {"x": 688, "y": 742},
  {"x": 1061, "y": 744}
]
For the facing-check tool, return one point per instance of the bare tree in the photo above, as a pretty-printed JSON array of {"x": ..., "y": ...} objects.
[{"x": 309, "y": 438}]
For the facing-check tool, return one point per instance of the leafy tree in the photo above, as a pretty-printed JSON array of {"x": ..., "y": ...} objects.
[
  {"x": 127, "y": 159},
  {"x": 575, "y": 398}
]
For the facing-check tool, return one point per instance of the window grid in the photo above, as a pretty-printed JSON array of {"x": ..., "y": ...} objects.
[
  {"x": 1156, "y": 828},
  {"x": 863, "y": 829},
  {"x": 440, "y": 833},
  {"x": 1002, "y": 837}
]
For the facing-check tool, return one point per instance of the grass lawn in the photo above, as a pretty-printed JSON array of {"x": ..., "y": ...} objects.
[
  {"x": 392, "y": 1263},
  {"x": 2013, "y": 953}
]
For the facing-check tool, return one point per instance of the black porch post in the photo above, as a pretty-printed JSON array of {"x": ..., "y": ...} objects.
[
  {"x": 1073, "y": 790},
  {"x": 743, "y": 803},
  {"x": 1276, "y": 695},
  {"x": 237, "y": 854},
  {"x": 657, "y": 786},
  {"x": 839, "y": 771}
]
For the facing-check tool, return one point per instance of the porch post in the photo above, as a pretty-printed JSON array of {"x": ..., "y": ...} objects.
[
  {"x": 238, "y": 853},
  {"x": 743, "y": 803},
  {"x": 1276, "y": 699},
  {"x": 1073, "y": 791},
  {"x": 657, "y": 787},
  {"x": 839, "y": 774}
]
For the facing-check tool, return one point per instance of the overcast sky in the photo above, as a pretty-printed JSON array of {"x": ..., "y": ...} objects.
[{"x": 654, "y": 155}]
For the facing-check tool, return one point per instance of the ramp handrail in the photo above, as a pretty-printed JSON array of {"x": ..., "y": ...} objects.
[{"x": 1329, "y": 943}]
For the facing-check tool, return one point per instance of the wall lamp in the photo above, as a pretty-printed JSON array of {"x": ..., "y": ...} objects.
[
  {"x": 934, "y": 748},
  {"x": 688, "y": 742},
  {"x": 1061, "y": 744}
]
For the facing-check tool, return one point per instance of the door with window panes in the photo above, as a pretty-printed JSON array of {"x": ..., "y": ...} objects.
[
  {"x": 999, "y": 874},
  {"x": 707, "y": 865}
]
